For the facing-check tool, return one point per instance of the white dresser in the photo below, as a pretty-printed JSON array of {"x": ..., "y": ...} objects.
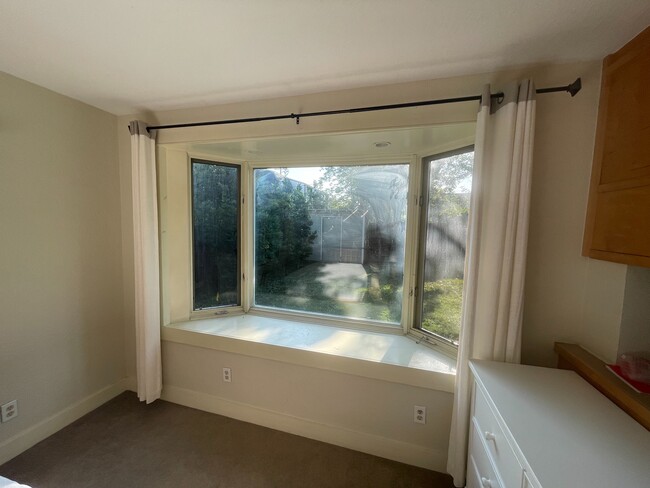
[{"x": 547, "y": 428}]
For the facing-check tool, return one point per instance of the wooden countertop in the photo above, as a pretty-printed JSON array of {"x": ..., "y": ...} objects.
[{"x": 592, "y": 369}]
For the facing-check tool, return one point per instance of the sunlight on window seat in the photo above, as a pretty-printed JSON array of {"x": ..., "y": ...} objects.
[{"x": 386, "y": 357}]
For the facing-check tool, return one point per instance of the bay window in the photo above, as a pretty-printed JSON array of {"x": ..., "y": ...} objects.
[{"x": 372, "y": 242}]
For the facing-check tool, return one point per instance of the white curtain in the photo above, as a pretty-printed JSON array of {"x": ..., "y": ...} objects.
[
  {"x": 147, "y": 267},
  {"x": 496, "y": 248}
]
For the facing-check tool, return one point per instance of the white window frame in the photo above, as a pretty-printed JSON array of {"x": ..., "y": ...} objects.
[
  {"x": 411, "y": 299},
  {"x": 415, "y": 331},
  {"x": 402, "y": 327},
  {"x": 224, "y": 310}
]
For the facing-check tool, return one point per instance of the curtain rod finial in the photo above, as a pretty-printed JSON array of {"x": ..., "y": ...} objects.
[{"x": 575, "y": 87}]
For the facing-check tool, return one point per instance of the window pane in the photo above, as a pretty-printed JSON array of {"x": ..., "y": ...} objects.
[
  {"x": 330, "y": 240},
  {"x": 449, "y": 188},
  {"x": 215, "y": 230}
]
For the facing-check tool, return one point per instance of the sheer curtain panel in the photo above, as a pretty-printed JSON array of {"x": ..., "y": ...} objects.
[
  {"x": 146, "y": 262},
  {"x": 496, "y": 248}
]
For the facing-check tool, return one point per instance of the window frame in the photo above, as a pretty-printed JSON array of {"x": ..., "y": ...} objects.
[
  {"x": 221, "y": 310},
  {"x": 413, "y": 255},
  {"x": 349, "y": 322},
  {"x": 415, "y": 330}
]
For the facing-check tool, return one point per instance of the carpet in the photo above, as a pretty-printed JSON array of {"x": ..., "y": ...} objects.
[{"x": 125, "y": 443}]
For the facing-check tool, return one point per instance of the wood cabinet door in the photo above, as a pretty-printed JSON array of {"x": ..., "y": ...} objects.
[{"x": 618, "y": 215}]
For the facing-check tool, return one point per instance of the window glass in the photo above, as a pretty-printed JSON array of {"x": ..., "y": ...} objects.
[
  {"x": 215, "y": 234},
  {"x": 330, "y": 240},
  {"x": 449, "y": 184}
]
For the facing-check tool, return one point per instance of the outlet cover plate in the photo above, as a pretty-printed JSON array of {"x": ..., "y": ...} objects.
[
  {"x": 227, "y": 375},
  {"x": 419, "y": 414},
  {"x": 9, "y": 411}
]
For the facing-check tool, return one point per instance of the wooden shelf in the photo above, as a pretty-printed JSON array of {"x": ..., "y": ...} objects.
[{"x": 592, "y": 369}]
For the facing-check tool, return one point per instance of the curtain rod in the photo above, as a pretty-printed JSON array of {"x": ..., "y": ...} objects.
[{"x": 571, "y": 88}]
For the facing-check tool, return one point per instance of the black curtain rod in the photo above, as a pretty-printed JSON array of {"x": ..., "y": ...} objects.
[{"x": 572, "y": 88}]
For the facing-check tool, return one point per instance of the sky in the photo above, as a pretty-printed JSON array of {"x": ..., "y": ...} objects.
[{"x": 305, "y": 175}]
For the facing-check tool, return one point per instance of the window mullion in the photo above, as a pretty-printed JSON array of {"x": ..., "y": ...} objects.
[
  {"x": 247, "y": 238},
  {"x": 411, "y": 255}
]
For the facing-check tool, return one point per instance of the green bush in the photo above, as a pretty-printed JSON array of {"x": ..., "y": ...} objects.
[
  {"x": 442, "y": 303},
  {"x": 283, "y": 235}
]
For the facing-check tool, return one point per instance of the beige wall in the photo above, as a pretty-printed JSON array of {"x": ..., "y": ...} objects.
[
  {"x": 358, "y": 412},
  {"x": 635, "y": 322},
  {"x": 61, "y": 303},
  {"x": 568, "y": 297}
]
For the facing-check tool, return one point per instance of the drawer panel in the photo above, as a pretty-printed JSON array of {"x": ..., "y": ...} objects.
[
  {"x": 480, "y": 473},
  {"x": 527, "y": 482},
  {"x": 499, "y": 449}
]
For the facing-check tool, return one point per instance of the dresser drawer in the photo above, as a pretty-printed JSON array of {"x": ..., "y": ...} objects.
[
  {"x": 527, "y": 482},
  {"x": 561, "y": 430},
  {"x": 499, "y": 450},
  {"x": 480, "y": 473}
]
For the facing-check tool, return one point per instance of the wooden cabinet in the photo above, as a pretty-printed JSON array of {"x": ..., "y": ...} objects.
[
  {"x": 618, "y": 214},
  {"x": 547, "y": 428}
]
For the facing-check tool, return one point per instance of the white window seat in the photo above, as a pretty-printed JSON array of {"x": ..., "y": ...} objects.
[{"x": 386, "y": 357}]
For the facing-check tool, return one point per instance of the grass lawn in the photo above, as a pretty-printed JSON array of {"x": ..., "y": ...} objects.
[{"x": 341, "y": 289}]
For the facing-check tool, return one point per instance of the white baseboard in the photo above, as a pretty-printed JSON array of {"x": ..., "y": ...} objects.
[
  {"x": 395, "y": 450},
  {"x": 130, "y": 383},
  {"x": 45, "y": 428}
]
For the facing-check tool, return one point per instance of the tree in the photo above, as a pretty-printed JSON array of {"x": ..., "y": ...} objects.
[
  {"x": 378, "y": 190},
  {"x": 283, "y": 235},
  {"x": 450, "y": 185},
  {"x": 215, "y": 215}
]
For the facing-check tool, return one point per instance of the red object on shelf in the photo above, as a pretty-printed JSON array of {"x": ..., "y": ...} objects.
[{"x": 638, "y": 386}]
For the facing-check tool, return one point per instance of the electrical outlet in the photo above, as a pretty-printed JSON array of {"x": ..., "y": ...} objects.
[
  {"x": 419, "y": 414},
  {"x": 227, "y": 375},
  {"x": 9, "y": 410}
]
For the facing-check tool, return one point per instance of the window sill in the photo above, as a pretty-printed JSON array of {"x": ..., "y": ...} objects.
[{"x": 386, "y": 357}]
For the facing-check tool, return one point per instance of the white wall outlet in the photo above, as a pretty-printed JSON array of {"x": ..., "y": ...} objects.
[
  {"x": 227, "y": 375},
  {"x": 9, "y": 410},
  {"x": 419, "y": 414}
]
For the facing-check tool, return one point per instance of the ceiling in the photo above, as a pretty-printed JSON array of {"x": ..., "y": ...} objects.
[
  {"x": 126, "y": 56},
  {"x": 423, "y": 141}
]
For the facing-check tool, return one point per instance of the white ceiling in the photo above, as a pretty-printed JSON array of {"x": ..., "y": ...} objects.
[
  {"x": 423, "y": 141},
  {"x": 126, "y": 55}
]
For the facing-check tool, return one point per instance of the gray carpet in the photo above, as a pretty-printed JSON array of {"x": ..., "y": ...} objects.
[{"x": 128, "y": 444}]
